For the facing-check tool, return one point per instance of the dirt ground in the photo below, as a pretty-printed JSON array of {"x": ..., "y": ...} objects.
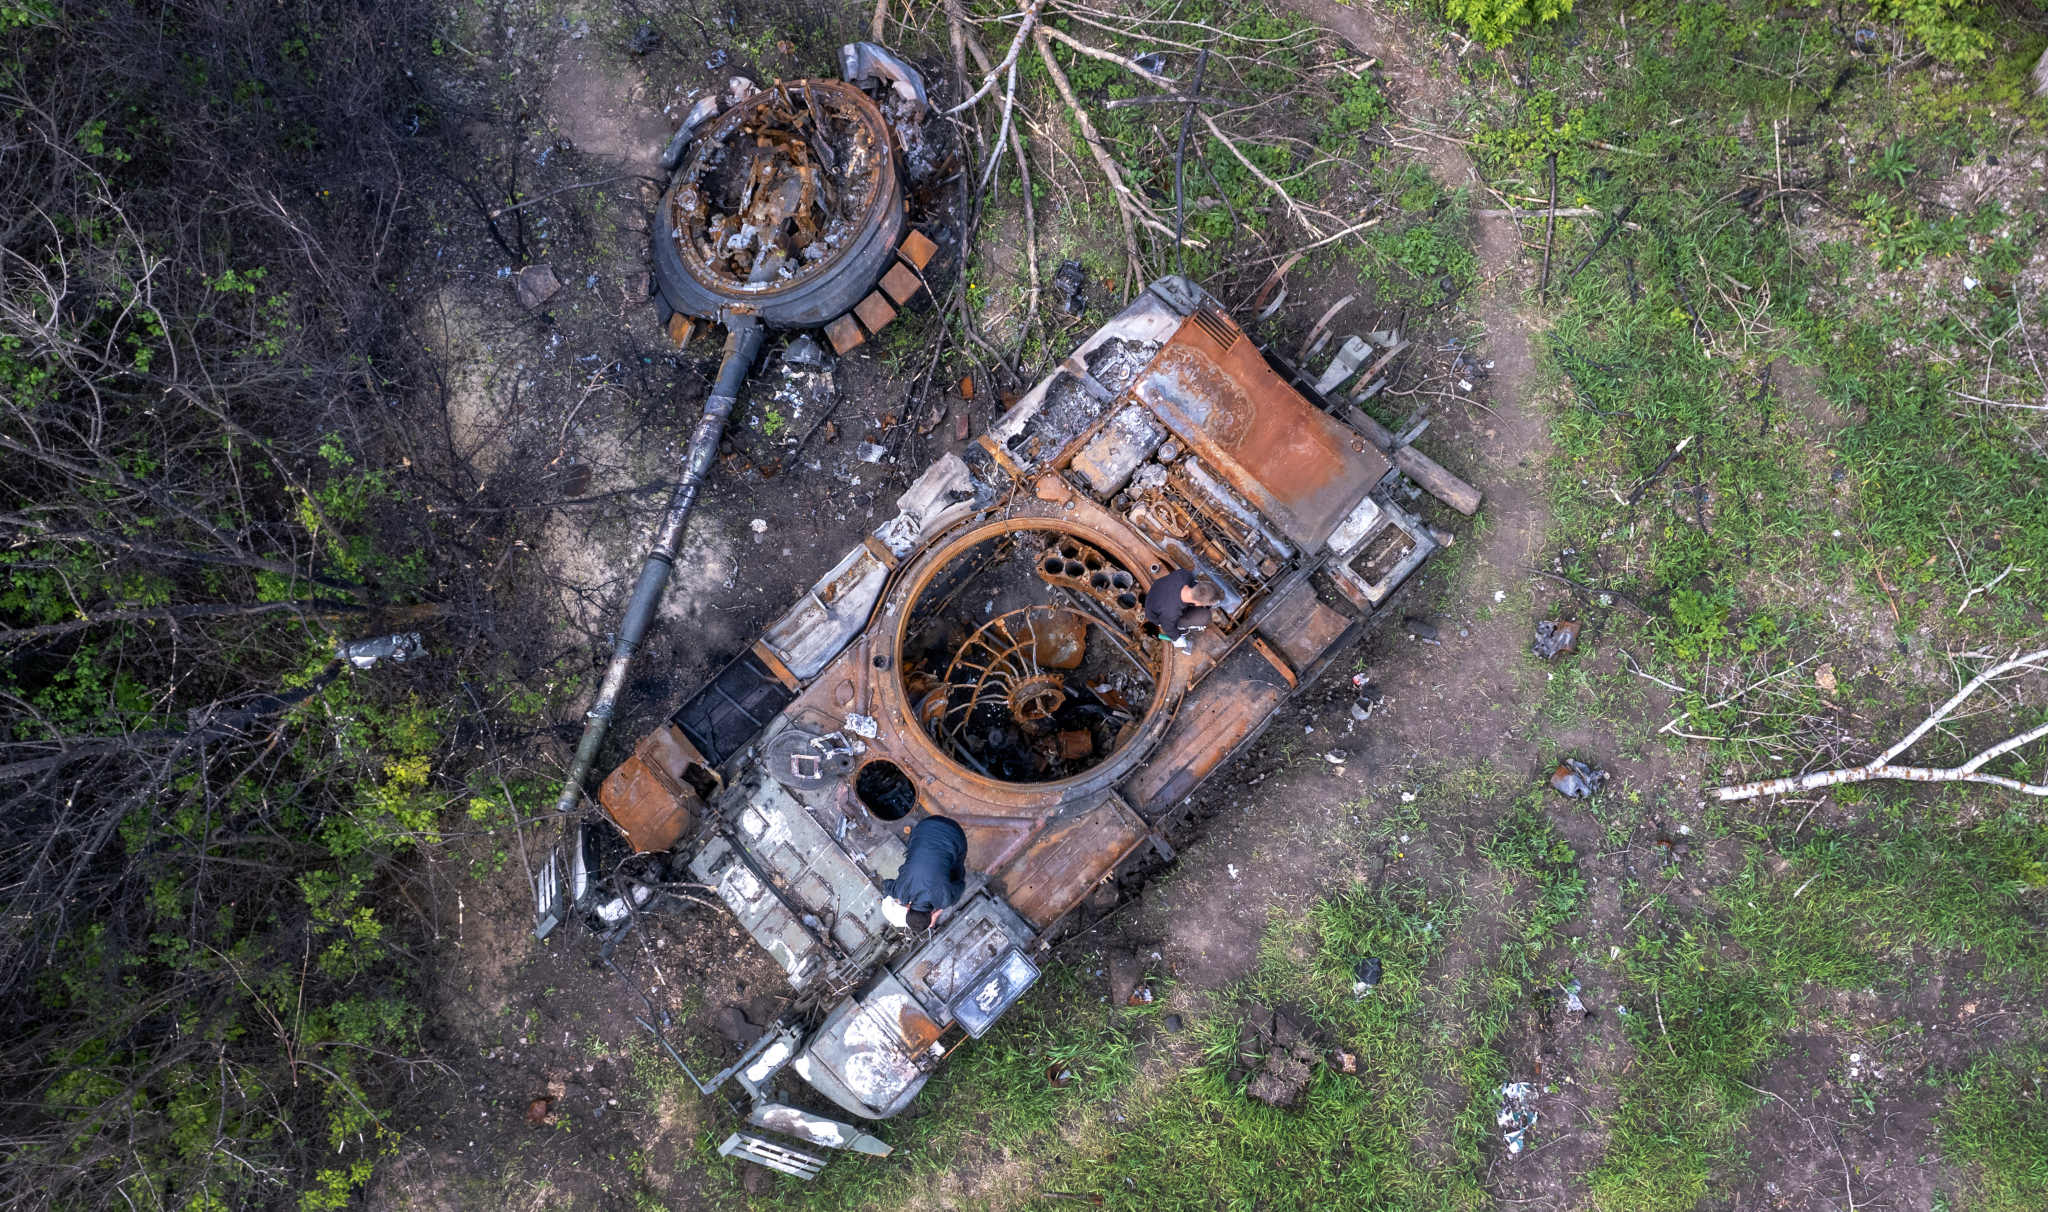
[{"x": 559, "y": 414}]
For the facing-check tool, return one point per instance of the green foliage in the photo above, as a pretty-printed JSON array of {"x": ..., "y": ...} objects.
[
  {"x": 1992, "y": 1129},
  {"x": 1496, "y": 22},
  {"x": 1951, "y": 30},
  {"x": 1200, "y": 1143},
  {"x": 1840, "y": 912},
  {"x": 1526, "y": 844}
]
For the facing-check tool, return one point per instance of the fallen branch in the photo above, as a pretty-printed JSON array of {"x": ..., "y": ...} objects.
[
  {"x": 1881, "y": 767},
  {"x": 1522, "y": 212},
  {"x": 988, "y": 82},
  {"x": 1128, "y": 208},
  {"x": 973, "y": 44},
  {"x": 1158, "y": 81},
  {"x": 1549, "y": 230}
]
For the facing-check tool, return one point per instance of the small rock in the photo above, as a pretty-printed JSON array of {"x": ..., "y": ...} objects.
[
  {"x": 1421, "y": 629},
  {"x": 536, "y": 285},
  {"x": 1824, "y": 677},
  {"x": 756, "y": 1180},
  {"x": 1172, "y": 1022}
]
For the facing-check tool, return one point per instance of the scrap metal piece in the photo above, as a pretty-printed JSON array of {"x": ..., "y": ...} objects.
[
  {"x": 764, "y": 1152},
  {"x": 817, "y": 1129},
  {"x": 1576, "y": 780},
  {"x": 1555, "y": 638},
  {"x": 865, "y": 63},
  {"x": 1349, "y": 358},
  {"x": 397, "y": 648},
  {"x": 844, "y": 334},
  {"x": 549, "y": 908}
]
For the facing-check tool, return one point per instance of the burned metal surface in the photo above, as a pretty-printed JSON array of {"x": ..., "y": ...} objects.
[
  {"x": 788, "y": 204},
  {"x": 1213, "y": 389},
  {"x": 982, "y": 655}
]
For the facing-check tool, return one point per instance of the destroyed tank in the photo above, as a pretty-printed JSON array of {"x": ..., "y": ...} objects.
[{"x": 982, "y": 655}]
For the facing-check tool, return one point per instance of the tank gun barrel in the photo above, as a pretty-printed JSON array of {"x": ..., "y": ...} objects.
[{"x": 743, "y": 336}]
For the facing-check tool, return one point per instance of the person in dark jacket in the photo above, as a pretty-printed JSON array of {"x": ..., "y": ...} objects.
[
  {"x": 1176, "y": 604},
  {"x": 933, "y": 875}
]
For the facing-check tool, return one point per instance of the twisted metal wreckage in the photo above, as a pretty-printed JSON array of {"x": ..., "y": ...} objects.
[{"x": 982, "y": 653}]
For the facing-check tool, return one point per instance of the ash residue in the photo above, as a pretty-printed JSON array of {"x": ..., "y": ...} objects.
[{"x": 1116, "y": 363}]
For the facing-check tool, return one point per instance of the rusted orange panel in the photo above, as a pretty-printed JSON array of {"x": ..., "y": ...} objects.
[
  {"x": 646, "y": 796},
  {"x": 1212, "y": 388},
  {"x": 901, "y": 282},
  {"x": 844, "y": 334},
  {"x": 680, "y": 329},
  {"x": 1301, "y": 627},
  {"x": 1067, "y": 857},
  {"x": 874, "y": 311},
  {"x": 1222, "y": 712},
  {"x": 917, "y": 248}
]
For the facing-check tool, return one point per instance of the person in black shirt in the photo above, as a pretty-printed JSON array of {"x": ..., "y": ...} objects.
[
  {"x": 932, "y": 877},
  {"x": 1177, "y": 604}
]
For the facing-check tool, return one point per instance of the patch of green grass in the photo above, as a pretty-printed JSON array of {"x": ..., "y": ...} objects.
[
  {"x": 1393, "y": 1140},
  {"x": 1843, "y": 913},
  {"x": 1992, "y": 1131},
  {"x": 1665, "y": 337}
]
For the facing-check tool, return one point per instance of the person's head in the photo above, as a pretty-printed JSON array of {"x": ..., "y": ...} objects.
[
  {"x": 1201, "y": 593},
  {"x": 903, "y": 917}
]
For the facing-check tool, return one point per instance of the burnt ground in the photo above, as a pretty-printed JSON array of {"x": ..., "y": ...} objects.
[{"x": 568, "y": 418}]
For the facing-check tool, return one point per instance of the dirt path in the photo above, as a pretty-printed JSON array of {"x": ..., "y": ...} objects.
[{"x": 1453, "y": 705}]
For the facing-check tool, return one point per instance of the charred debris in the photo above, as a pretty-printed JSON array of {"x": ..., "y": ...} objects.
[{"x": 982, "y": 654}]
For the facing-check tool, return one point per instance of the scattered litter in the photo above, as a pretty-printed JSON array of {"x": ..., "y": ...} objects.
[
  {"x": 1824, "y": 677},
  {"x": 1572, "y": 1003},
  {"x": 758, "y": 526},
  {"x": 1140, "y": 996},
  {"x": 1349, "y": 358},
  {"x": 1556, "y": 637},
  {"x": 1336, "y": 757},
  {"x": 1500, "y": 595},
  {"x": 645, "y": 39},
  {"x": 1576, "y": 780},
  {"x": 1366, "y": 976},
  {"x": 1233, "y": 869},
  {"x": 1407, "y": 797},
  {"x": 869, "y": 452},
  {"x": 1152, "y": 63},
  {"x": 862, "y": 725},
  {"x": 1071, "y": 280},
  {"x": 1516, "y": 1115},
  {"x": 398, "y": 648},
  {"x": 1058, "y": 1074},
  {"x": 803, "y": 352}
]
